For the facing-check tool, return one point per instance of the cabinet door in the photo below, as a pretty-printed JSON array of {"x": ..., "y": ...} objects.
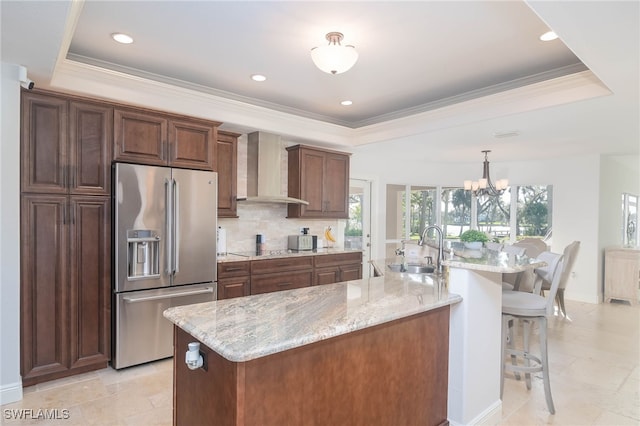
[
  {"x": 311, "y": 183},
  {"x": 192, "y": 144},
  {"x": 226, "y": 166},
  {"x": 336, "y": 186},
  {"x": 90, "y": 148},
  {"x": 351, "y": 272},
  {"x": 233, "y": 287},
  {"x": 328, "y": 275},
  {"x": 140, "y": 137},
  {"x": 44, "y": 287},
  {"x": 44, "y": 143},
  {"x": 90, "y": 281}
]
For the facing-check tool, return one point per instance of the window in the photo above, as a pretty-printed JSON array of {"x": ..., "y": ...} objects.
[{"x": 506, "y": 218}]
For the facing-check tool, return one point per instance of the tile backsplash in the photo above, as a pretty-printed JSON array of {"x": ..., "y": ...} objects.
[{"x": 271, "y": 221}]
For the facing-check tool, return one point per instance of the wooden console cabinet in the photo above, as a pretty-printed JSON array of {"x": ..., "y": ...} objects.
[
  {"x": 621, "y": 274},
  {"x": 320, "y": 177}
]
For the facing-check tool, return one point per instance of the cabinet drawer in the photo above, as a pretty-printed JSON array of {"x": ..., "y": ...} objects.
[
  {"x": 234, "y": 269},
  {"x": 278, "y": 282},
  {"x": 282, "y": 264},
  {"x": 338, "y": 259}
]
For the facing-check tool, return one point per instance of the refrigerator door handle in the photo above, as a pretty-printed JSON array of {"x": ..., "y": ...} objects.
[
  {"x": 167, "y": 296},
  {"x": 176, "y": 226},
  {"x": 169, "y": 225}
]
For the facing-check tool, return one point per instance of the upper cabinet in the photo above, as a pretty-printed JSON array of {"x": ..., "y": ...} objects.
[
  {"x": 320, "y": 177},
  {"x": 227, "y": 168},
  {"x": 148, "y": 137},
  {"x": 66, "y": 145}
]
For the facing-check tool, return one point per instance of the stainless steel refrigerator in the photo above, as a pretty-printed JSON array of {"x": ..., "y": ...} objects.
[{"x": 164, "y": 224}]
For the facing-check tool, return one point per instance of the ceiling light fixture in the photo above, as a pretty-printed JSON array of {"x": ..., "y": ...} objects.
[
  {"x": 258, "y": 77},
  {"x": 334, "y": 58},
  {"x": 548, "y": 36},
  {"x": 346, "y": 103},
  {"x": 484, "y": 186},
  {"x": 122, "y": 38}
]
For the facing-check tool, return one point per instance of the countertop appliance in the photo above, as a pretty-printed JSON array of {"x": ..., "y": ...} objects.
[
  {"x": 164, "y": 239},
  {"x": 302, "y": 242}
]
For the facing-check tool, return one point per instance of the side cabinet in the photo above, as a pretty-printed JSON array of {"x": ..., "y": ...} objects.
[
  {"x": 227, "y": 168},
  {"x": 622, "y": 274},
  {"x": 320, "y": 177}
]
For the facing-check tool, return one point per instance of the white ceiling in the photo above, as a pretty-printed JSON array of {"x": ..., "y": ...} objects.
[{"x": 439, "y": 69}]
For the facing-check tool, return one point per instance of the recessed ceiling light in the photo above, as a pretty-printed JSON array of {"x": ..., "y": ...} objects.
[
  {"x": 548, "y": 36},
  {"x": 122, "y": 38},
  {"x": 346, "y": 103},
  {"x": 258, "y": 77}
]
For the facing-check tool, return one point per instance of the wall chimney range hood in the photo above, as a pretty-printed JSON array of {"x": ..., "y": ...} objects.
[{"x": 264, "y": 184}]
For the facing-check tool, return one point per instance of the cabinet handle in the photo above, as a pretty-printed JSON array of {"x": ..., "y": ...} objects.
[
  {"x": 64, "y": 213},
  {"x": 283, "y": 284},
  {"x": 233, "y": 269}
]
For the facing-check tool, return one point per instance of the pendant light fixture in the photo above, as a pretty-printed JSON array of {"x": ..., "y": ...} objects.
[
  {"x": 484, "y": 186},
  {"x": 334, "y": 58}
]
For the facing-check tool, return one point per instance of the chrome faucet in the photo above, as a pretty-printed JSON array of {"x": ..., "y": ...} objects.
[{"x": 440, "y": 244}]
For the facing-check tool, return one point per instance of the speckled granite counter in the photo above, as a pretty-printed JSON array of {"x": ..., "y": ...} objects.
[
  {"x": 274, "y": 254},
  {"x": 246, "y": 328}
]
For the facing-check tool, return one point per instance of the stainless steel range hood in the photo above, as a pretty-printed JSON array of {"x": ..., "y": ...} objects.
[{"x": 264, "y": 184}]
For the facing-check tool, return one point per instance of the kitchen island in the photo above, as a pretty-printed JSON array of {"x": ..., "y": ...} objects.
[{"x": 372, "y": 351}]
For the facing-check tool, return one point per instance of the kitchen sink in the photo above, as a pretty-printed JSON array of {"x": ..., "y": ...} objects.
[{"x": 411, "y": 268}]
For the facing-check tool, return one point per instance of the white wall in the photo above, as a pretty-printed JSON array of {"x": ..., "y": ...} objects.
[
  {"x": 10, "y": 380},
  {"x": 578, "y": 206}
]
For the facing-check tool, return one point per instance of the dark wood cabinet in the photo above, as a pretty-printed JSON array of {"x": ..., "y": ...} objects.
[
  {"x": 234, "y": 279},
  {"x": 227, "y": 168},
  {"x": 66, "y": 146},
  {"x": 65, "y": 236},
  {"x": 334, "y": 268},
  {"x": 154, "y": 138},
  {"x": 65, "y": 285},
  {"x": 279, "y": 274},
  {"x": 320, "y": 177}
]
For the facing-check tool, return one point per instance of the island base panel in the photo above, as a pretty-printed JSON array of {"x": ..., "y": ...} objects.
[{"x": 394, "y": 373}]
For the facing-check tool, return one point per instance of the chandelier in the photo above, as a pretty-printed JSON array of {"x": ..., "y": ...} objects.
[
  {"x": 484, "y": 186},
  {"x": 334, "y": 58}
]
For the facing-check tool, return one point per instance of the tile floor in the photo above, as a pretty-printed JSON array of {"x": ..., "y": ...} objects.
[{"x": 595, "y": 379}]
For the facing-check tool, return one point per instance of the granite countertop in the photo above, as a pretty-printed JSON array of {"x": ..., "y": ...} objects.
[
  {"x": 457, "y": 256},
  {"x": 274, "y": 254},
  {"x": 246, "y": 328}
]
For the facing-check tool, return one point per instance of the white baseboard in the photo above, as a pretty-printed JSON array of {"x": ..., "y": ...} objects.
[
  {"x": 489, "y": 417},
  {"x": 10, "y": 393}
]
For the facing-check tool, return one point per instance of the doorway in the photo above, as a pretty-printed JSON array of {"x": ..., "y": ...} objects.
[{"x": 357, "y": 233}]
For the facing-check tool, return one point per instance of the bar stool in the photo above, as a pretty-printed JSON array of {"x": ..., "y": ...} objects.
[
  {"x": 530, "y": 308},
  {"x": 510, "y": 281}
]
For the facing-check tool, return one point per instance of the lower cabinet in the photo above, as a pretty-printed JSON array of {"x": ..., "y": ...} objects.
[
  {"x": 234, "y": 279},
  {"x": 281, "y": 274},
  {"x": 65, "y": 285},
  {"x": 335, "y": 268},
  {"x": 237, "y": 279}
]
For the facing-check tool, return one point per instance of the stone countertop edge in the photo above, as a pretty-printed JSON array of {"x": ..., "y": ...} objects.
[
  {"x": 233, "y": 257},
  {"x": 245, "y": 328}
]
